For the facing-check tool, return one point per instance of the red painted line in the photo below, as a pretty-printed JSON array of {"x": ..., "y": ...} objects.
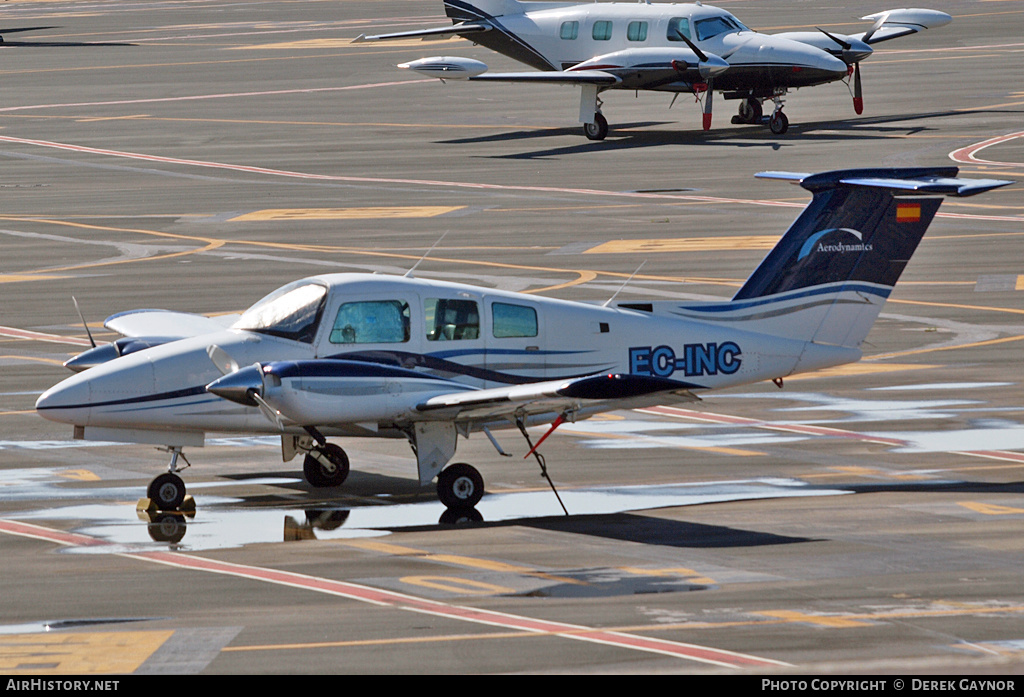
[
  {"x": 969, "y": 155},
  {"x": 38, "y": 532},
  {"x": 710, "y": 417},
  {"x": 401, "y": 601},
  {"x": 772, "y": 426},
  {"x": 14, "y": 333}
]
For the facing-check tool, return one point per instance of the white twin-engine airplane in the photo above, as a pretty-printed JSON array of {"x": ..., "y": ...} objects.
[
  {"x": 429, "y": 361},
  {"x": 695, "y": 49}
]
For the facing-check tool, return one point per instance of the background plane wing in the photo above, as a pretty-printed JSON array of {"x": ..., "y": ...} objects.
[
  {"x": 893, "y": 24},
  {"x": 427, "y": 34},
  {"x": 165, "y": 323},
  {"x": 554, "y": 77}
]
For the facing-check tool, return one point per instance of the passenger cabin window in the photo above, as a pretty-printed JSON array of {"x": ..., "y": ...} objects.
[
  {"x": 451, "y": 320},
  {"x": 371, "y": 322},
  {"x": 292, "y": 312},
  {"x": 513, "y": 320},
  {"x": 602, "y": 30},
  {"x": 569, "y": 30},
  {"x": 636, "y": 31},
  {"x": 678, "y": 27}
]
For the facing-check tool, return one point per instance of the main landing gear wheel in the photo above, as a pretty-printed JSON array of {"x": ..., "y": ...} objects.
[
  {"x": 597, "y": 130},
  {"x": 778, "y": 123},
  {"x": 325, "y": 466},
  {"x": 460, "y": 486},
  {"x": 167, "y": 491},
  {"x": 749, "y": 112}
]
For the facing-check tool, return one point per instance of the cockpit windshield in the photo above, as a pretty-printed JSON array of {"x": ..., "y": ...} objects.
[
  {"x": 292, "y": 312},
  {"x": 713, "y": 26}
]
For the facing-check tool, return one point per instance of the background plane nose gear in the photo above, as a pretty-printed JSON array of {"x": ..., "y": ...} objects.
[
  {"x": 326, "y": 465},
  {"x": 460, "y": 486},
  {"x": 778, "y": 123}
]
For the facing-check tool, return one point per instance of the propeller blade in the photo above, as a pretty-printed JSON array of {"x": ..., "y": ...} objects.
[
  {"x": 845, "y": 45},
  {"x": 701, "y": 56},
  {"x": 707, "y": 106},
  {"x": 84, "y": 323},
  {"x": 875, "y": 27},
  {"x": 222, "y": 359},
  {"x": 272, "y": 414},
  {"x": 858, "y": 92}
]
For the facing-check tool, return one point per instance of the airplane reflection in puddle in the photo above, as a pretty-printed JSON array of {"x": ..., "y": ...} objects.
[{"x": 220, "y": 524}]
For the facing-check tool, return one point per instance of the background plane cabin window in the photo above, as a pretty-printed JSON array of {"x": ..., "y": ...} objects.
[
  {"x": 602, "y": 30},
  {"x": 678, "y": 26},
  {"x": 636, "y": 31},
  {"x": 451, "y": 320},
  {"x": 570, "y": 30},
  {"x": 371, "y": 322},
  {"x": 513, "y": 320}
]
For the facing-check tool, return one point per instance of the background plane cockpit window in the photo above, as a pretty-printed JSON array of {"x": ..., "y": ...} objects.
[
  {"x": 293, "y": 312},
  {"x": 678, "y": 27},
  {"x": 451, "y": 320},
  {"x": 602, "y": 30},
  {"x": 513, "y": 320},
  {"x": 569, "y": 30},
  {"x": 636, "y": 31},
  {"x": 713, "y": 26},
  {"x": 371, "y": 322}
]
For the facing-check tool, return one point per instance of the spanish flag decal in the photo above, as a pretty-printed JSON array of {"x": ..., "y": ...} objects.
[{"x": 908, "y": 212}]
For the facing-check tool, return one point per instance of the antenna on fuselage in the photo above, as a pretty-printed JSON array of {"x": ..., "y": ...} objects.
[
  {"x": 609, "y": 300},
  {"x": 408, "y": 274}
]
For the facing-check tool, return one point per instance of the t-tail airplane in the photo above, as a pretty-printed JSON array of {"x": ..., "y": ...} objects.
[
  {"x": 430, "y": 361},
  {"x": 681, "y": 48}
]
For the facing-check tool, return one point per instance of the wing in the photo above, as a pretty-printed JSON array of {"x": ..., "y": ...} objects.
[
  {"x": 329, "y": 392},
  {"x": 462, "y": 29},
  {"x": 589, "y": 395},
  {"x": 165, "y": 323}
]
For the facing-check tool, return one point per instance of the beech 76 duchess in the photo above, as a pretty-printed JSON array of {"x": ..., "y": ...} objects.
[
  {"x": 680, "y": 48},
  {"x": 430, "y": 361}
]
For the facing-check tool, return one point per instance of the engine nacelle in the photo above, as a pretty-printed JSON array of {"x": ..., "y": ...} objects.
[{"x": 446, "y": 67}]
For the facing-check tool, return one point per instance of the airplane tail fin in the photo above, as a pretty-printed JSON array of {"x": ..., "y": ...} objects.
[{"x": 829, "y": 275}]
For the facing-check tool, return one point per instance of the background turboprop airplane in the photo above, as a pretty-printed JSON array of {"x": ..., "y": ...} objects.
[
  {"x": 696, "y": 49},
  {"x": 428, "y": 361}
]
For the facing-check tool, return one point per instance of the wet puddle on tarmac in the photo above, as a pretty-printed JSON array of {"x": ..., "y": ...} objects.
[{"x": 219, "y": 523}]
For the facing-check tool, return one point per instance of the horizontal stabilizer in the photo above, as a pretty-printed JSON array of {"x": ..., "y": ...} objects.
[{"x": 828, "y": 277}]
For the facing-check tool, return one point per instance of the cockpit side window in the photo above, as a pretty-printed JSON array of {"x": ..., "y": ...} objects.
[
  {"x": 451, "y": 320},
  {"x": 678, "y": 27},
  {"x": 293, "y": 312},
  {"x": 371, "y": 322}
]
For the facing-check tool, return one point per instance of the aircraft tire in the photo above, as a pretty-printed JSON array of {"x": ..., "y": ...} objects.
[
  {"x": 778, "y": 123},
  {"x": 460, "y": 486},
  {"x": 750, "y": 111},
  {"x": 597, "y": 130},
  {"x": 319, "y": 476},
  {"x": 167, "y": 491}
]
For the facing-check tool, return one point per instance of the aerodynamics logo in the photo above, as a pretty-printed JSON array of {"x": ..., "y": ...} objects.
[{"x": 814, "y": 243}]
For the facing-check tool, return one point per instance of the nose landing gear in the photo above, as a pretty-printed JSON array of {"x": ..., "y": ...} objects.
[{"x": 167, "y": 491}]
